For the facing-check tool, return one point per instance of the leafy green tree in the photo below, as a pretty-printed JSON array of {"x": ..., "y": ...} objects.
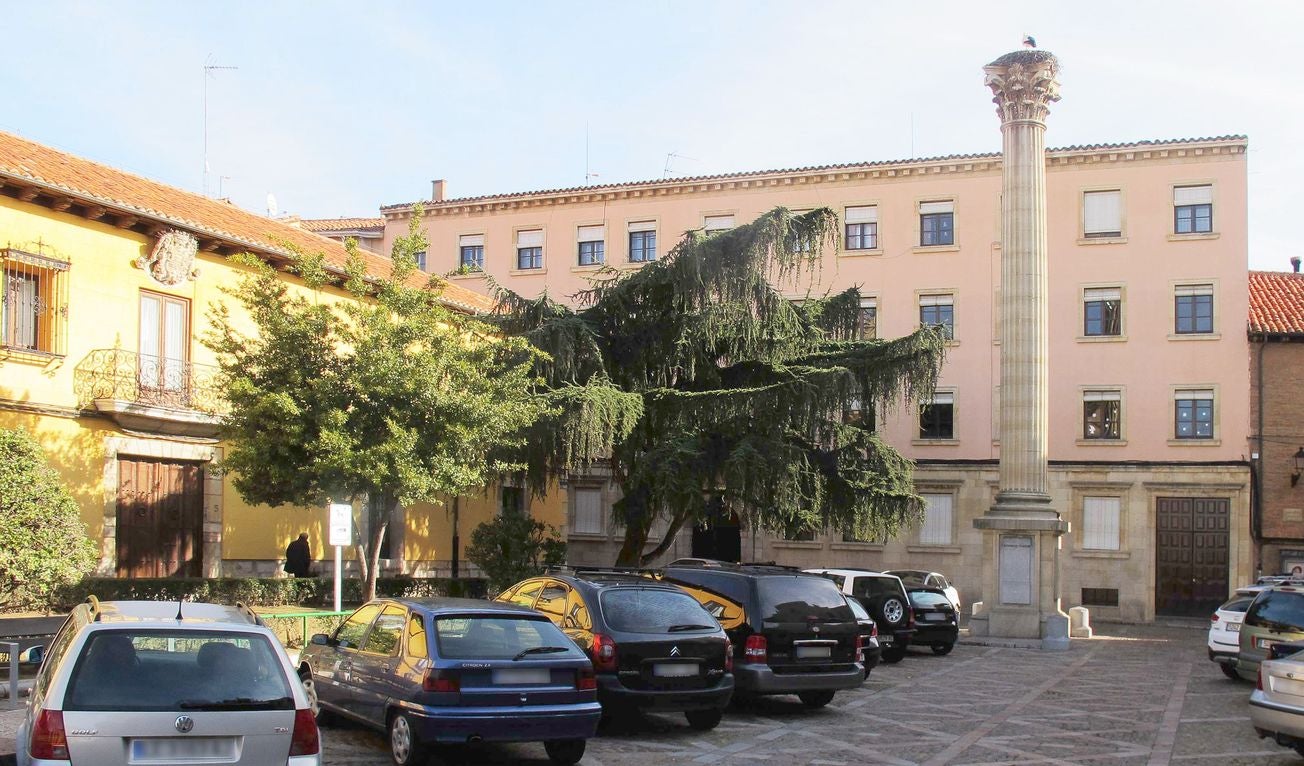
[
  {"x": 708, "y": 390},
  {"x": 512, "y": 547},
  {"x": 43, "y": 542},
  {"x": 332, "y": 400}
]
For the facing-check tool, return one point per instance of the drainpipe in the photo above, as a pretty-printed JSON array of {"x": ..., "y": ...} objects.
[{"x": 1256, "y": 471}]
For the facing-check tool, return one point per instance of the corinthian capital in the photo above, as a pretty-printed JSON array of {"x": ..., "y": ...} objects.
[{"x": 1025, "y": 84}]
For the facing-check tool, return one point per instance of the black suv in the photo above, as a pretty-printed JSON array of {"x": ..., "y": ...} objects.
[
  {"x": 652, "y": 645},
  {"x": 884, "y": 597},
  {"x": 792, "y": 633}
]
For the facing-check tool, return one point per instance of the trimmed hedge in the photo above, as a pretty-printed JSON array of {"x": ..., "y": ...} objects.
[{"x": 316, "y": 592}]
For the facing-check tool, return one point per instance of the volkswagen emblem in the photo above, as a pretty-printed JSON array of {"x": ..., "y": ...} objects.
[
  {"x": 674, "y": 651},
  {"x": 185, "y": 723}
]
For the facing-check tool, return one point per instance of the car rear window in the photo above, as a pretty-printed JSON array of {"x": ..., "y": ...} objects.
[
  {"x": 1277, "y": 607},
  {"x": 869, "y": 587},
  {"x": 858, "y": 610},
  {"x": 1239, "y": 604},
  {"x": 797, "y": 599},
  {"x": 151, "y": 670},
  {"x": 496, "y": 638},
  {"x": 928, "y": 598},
  {"x": 652, "y": 610}
]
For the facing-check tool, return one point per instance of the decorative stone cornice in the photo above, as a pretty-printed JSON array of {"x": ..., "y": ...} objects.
[{"x": 1025, "y": 84}]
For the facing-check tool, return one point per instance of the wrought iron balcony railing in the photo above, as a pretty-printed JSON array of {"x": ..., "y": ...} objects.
[{"x": 121, "y": 375}]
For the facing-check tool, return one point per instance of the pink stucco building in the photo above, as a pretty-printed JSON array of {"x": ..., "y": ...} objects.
[{"x": 1149, "y": 410}]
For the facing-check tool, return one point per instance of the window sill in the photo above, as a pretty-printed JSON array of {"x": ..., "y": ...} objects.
[
  {"x": 32, "y": 355},
  {"x": 1192, "y": 237},
  {"x": 1102, "y": 240},
  {"x": 847, "y": 545},
  {"x": 1101, "y": 442},
  {"x": 1194, "y": 336},
  {"x": 935, "y": 442},
  {"x": 926, "y": 548},
  {"x": 859, "y": 253},
  {"x": 594, "y": 267},
  {"x": 807, "y": 544},
  {"x": 1195, "y": 442},
  {"x": 925, "y": 249},
  {"x": 527, "y": 272},
  {"x": 600, "y": 536},
  {"x": 468, "y": 275},
  {"x": 1101, "y": 338},
  {"x": 1094, "y": 554}
]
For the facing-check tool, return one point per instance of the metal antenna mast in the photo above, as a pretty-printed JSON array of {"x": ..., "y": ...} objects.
[
  {"x": 208, "y": 70},
  {"x": 670, "y": 158}
]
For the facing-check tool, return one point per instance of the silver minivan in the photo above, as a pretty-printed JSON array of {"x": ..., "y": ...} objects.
[{"x": 130, "y": 682}]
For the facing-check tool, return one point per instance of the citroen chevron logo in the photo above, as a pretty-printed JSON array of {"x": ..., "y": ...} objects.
[{"x": 674, "y": 651}]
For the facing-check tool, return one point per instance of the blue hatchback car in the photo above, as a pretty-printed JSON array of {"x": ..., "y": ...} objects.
[{"x": 456, "y": 671}]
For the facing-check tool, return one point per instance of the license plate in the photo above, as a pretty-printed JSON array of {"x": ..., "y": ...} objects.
[
  {"x": 675, "y": 669},
  {"x": 522, "y": 676},
  {"x": 884, "y": 640},
  {"x": 168, "y": 749},
  {"x": 813, "y": 652},
  {"x": 1233, "y": 627},
  {"x": 934, "y": 617},
  {"x": 1286, "y": 686}
]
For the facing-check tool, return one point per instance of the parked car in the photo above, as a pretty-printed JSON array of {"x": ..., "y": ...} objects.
[
  {"x": 870, "y": 652},
  {"x": 1275, "y": 616},
  {"x": 454, "y": 671},
  {"x": 1225, "y": 629},
  {"x": 1277, "y": 702},
  {"x": 154, "y": 682},
  {"x": 654, "y": 647},
  {"x": 792, "y": 633},
  {"x": 922, "y": 578},
  {"x": 884, "y": 597},
  {"x": 936, "y": 623}
]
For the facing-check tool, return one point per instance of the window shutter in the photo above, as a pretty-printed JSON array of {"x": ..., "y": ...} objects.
[
  {"x": 861, "y": 214},
  {"x": 529, "y": 238},
  {"x": 642, "y": 226},
  {"x": 1196, "y": 395},
  {"x": 1184, "y": 290},
  {"x": 1102, "y": 212},
  {"x": 869, "y": 303},
  {"x": 936, "y": 300},
  {"x": 937, "y": 520},
  {"x": 471, "y": 240},
  {"x": 590, "y": 233},
  {"x": 1193, "y": 195},
  {"x": 588, "y": 511},
  {"x": 937, "y": 207},
  {"x": 719, "y": 222},
  {"x": 1102, "y": 294},
  {"x": 1102, "y": 396},
  {"x": 944, "y": 397},
  {"x": 1100, "y": 523}
]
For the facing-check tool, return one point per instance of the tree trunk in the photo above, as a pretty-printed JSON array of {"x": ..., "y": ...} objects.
[
  {"x": 373, "y": 557},
  {"x": 633, "y": 506},
  {"x": 676, "y": 524}
]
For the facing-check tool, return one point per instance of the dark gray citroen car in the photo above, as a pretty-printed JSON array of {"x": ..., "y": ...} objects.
[{"x": 456, "y": 671}]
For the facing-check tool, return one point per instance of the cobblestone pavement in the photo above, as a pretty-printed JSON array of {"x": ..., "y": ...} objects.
[{"x": 1133, "y": 695}]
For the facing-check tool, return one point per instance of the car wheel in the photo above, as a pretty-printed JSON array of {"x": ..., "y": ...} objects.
[
  {"x": 894, "y": 612},
  {"x": 815, "y": 699},
  {"x": 940, "y": 649},
  {"x": 894, "y": 655},
  {"x": 565, "y": 751},
  {"x": 704, "y": 720},
  {"x": 404, "y": 746},
  {"x": 1229, "y": 670}
]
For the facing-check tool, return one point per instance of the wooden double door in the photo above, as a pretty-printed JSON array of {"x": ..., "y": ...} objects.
[
  {"x": 1192, "y": 542},
  {"x": 160, "y": 518}
]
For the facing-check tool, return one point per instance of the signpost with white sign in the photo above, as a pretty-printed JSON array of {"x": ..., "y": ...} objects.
[{"x": 341, "y": 534}]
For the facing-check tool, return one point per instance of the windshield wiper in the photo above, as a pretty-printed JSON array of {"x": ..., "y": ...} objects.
[
  {"x": 540, "y": 650},
  {"x": 675, "y": 628},
  {"x": 238, "y": 703}
]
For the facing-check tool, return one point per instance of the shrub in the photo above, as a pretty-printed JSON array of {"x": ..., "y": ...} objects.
[
  {"x": 43, "y": 542},
  {"x": 513, "y": 547},
  {"x": 309, "y": 592}
]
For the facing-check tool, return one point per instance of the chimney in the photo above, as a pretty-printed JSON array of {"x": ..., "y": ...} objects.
[
  {"x": 1294, "y": 263},
  {"x": 437, "y": 190}
]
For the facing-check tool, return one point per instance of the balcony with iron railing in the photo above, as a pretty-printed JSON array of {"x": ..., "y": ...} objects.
[{"x": 151, "y": 393}]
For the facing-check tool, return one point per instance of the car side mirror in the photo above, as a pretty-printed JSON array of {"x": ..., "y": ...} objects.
[
  {"x": 320, "y": 639},
  {"x": 32, "y": 655}
]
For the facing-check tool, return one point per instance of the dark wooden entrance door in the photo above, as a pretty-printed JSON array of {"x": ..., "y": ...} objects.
[
  {"x": 1191, "y": 554},
  {"x": 719, "y": 535},
  {"x": 160, "y": 518}
]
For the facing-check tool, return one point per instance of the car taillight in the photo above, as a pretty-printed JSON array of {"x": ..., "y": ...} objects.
[
  {"x": 49, "y": 741},
  {"x": 304, "y": 740},
  {"x": 728, "y": 656},
  {"x": 754, "y": 650},
  {"x": 604, "y": 653},
  {"x": 860, "y": 649},
  {"x": 586, "y": 679},
  {"x": 1213, "y": 618},
  {"x": 440, "y": 681},
  {"x": 873, "y": 630}
]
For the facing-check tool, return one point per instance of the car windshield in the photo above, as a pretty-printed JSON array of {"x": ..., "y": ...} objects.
[
  {"x": 1279, "y": 609},
  {"x": 800, "y": 598},
  {"x": 654, "y": 610},
  {"x": 470, "y": 637},
  {"x": 151, "y": 670},
  {"x": 928, "y": 598}
]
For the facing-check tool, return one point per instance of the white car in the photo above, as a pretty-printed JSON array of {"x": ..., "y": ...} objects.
[
  {"x": 1277, "y": 705},
  {"x": 134, "y": 682},
  {"x": 1225, "y": 629},
  {"x": 929, "y": 580}
]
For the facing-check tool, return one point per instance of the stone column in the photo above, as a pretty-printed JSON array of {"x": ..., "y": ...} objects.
[{"x": 1022, "y": 530}]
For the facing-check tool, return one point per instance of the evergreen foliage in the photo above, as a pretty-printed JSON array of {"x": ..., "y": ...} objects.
[
  {"x": 705, "y": 387},
  {"x": 43, "y": 542},
  {"x": 389, "y": 391},
  {"x": 513, "y": 547}
]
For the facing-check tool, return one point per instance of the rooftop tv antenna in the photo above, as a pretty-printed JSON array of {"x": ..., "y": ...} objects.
[
  {"x": 209, "y": 68},
  {"x": 670, "y": 158},
  {"x": 272, "y": 209}
]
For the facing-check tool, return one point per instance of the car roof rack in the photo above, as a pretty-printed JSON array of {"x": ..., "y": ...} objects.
[{"x": 581, "y": 569}]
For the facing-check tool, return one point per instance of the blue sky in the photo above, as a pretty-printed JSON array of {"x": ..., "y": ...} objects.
[{"x": 337, "y": 107}]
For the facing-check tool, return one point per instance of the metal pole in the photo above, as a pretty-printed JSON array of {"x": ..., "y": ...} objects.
[
  {"x": 339, "y": 576},
  {"x": 13, "y": 670}
]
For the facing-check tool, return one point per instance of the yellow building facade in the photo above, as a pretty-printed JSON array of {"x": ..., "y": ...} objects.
[{"x": 109, "y": 284}]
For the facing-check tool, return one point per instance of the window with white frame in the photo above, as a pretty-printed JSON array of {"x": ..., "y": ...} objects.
[
  {"x": 642, "y": 241},
  {"x": 937, "y": 223},
  {"x": 471, "y": 252},
  {"x": 938, "y": 516},
  {"x": 1102, "y": 312},
  {"x": 1101, "y": 414},
  {"x": 588, "y": 511},
  {"x": 1193, "y": 414},
  {"x": 861, "y": 227},
  {"x": 938, "y": 311},
  {"x": 1193, "y": 309},
  {"x": 867, "y": 319},
  {"x": 592, "y": 244},
  {"x": 1193, "y": 209},
  {"x": 1102, "y": 214},
  {"x": 420, "y": 258},
  {"x": 1100, "y": 523},
  {"x": 714, "y": 224},
  {"x": 529, "y": 249}
]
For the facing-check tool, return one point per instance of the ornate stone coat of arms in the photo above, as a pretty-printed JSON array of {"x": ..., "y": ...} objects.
[{"x": 173, "y": 259}]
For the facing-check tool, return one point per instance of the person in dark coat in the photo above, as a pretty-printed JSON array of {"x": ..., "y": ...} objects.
[{"x": 298, "y": 556}]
